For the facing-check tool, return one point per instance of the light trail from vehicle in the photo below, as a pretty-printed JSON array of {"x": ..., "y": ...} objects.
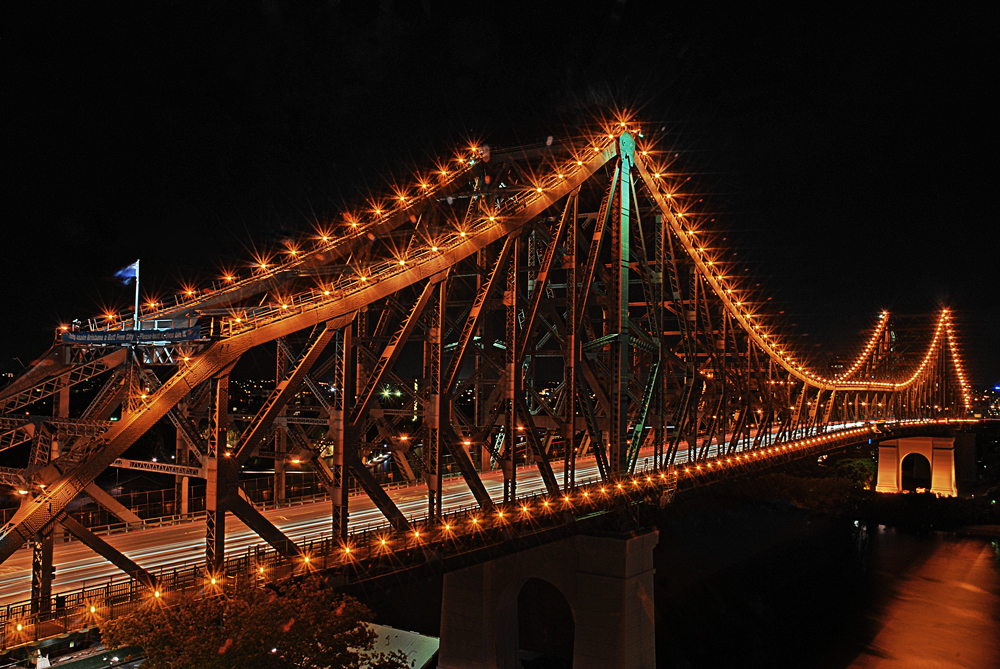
[{"x": 171, "y": 546}]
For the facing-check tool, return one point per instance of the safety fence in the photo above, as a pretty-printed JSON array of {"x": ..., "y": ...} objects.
[{"x": 378, "y": 549}]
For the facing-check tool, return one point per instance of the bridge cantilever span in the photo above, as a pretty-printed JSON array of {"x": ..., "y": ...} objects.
[{"x": 536, "y": 305}]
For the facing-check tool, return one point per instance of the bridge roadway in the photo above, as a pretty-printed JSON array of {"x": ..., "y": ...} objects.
[{"x": 184, "y": 543}]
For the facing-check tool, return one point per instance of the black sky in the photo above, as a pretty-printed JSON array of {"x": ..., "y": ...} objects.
[{"x": 847, "y": 154}]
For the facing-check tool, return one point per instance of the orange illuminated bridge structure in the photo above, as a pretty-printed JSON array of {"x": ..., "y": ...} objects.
[{"x": 544, "y": 305}]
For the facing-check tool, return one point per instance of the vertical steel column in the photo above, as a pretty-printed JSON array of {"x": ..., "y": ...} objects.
[
  {"x": 181, "y": 457},
  {"x": 828, "y": 409},
  {"x": 680, "y": 309},
  {"x": 280, "y": 434},
  {"x": 41, "y": 572},
  {"x": 513, "y": 371},
  {"x": 340, "y": 489},
  {"x": 217, "y": 474},
  {"x": 60, "y": 408},
  {"x": 720, "y": 424},
  {"x": 771, "y": 413},
  {"x": 132, "y": 401},
  {"x": 620, "y": 348},
  {"x": 432, "y": 414},
  {"x": 361, "y": 371},
  {"x": 479, "y": 411},
  {"x": 942, "y": 375},
  {"x": 693, "y": 417},
  {"x": 660, "y": 323},
  {"x": 571, "y": 350},
  {"x": 531, "y": 259},
  {"x": 814, "y": 414}
]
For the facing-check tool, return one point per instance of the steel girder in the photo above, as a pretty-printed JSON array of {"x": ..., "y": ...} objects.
[
  {"x": 572, "y": 355},
  {"x": 57, "y": 370}
]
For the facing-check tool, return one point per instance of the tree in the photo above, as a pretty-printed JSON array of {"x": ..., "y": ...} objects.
[
  {"x": 860, "y": 471},
  {"x": 297, "y": 624}
]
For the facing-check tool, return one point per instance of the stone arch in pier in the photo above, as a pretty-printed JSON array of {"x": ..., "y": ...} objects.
[
  {"x": 939, "y": 452},
  {"x": 606, "y": 584}
]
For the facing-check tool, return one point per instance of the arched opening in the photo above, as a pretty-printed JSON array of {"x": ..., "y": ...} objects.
[
  {"x": 916, "y": 472},
  {"x": 545, "y": 627}
]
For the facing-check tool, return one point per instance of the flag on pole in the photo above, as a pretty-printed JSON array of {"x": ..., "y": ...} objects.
[{"x": 128, "y": 273}]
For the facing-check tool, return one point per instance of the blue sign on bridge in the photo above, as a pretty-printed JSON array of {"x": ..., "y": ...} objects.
[{"x": 132, "y": 336}]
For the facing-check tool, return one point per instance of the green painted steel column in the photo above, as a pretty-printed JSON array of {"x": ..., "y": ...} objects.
[{"x": 621, "y": 354}]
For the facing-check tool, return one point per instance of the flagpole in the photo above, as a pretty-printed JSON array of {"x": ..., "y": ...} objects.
[{"x": 136, "y": 315}]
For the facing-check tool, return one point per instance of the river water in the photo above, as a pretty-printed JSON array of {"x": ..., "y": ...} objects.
[
  {"x": 770, "y": 585},
  {"x": 757, "y": 585}
]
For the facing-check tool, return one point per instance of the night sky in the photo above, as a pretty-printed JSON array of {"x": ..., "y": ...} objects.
[{"x": 843, "y": 153}]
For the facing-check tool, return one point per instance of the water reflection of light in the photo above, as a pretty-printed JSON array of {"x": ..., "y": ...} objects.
[{"x": 942, "y": 612}]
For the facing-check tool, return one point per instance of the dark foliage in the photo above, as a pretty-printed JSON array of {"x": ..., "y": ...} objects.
[{"x": 299, "y": 624}]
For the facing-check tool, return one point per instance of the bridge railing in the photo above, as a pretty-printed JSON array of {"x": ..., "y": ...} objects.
[
  {"x": 377, "y": 548},
  {"x": 163, "y": 512},
  {"x": 89, "y": 605}
]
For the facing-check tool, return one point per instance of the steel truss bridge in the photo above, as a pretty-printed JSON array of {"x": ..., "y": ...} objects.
[{"x": 542, "y": 306}]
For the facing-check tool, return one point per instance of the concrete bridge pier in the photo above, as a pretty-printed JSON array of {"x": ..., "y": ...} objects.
[
  {"x": 939, "y": 454},
  {"x": 585, "y": 597}
]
